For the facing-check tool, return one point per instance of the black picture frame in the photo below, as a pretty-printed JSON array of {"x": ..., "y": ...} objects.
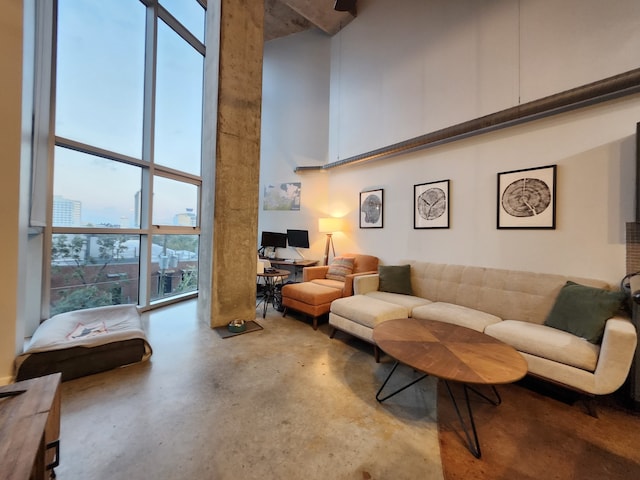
[
  {"x": 527, "y": 198},
  {"x": 431, "y": 205},
  {"x": 372, "y": 208}
]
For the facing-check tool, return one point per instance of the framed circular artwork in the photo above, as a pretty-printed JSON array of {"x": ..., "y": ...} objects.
[
  {"x": 431, "y": 205},
  {"x": 371, "y": 208},
  {"x": 527, "y": 198}
]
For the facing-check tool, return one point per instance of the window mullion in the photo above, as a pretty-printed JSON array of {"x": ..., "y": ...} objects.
[{"x": 146, "y": 194}]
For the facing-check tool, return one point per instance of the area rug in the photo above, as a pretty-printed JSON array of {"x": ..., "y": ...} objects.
[
  {"x": 534, "y": 435},
  {"x": 252, "y": 326}
]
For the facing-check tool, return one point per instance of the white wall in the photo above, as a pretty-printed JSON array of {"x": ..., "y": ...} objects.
[
  {"x": 568, "y": 43},
  {"x": 409, "y": 67},
  {"x": 295, "y": 131},
  {"x": 594, "y": 151}
]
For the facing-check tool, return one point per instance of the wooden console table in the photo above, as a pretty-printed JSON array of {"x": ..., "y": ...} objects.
[{"x": 29, "y": 428}]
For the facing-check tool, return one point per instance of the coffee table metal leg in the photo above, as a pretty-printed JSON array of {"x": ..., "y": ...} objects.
[
  {"x": 495, "y": 402},
  {"x": 474, "y": 447},
  {"x": 399, "y": 390}
]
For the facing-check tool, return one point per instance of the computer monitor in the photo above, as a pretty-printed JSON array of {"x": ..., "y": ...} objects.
[
  {"x": 274, "y": 239},
  {"x": 298, "y": 238}
]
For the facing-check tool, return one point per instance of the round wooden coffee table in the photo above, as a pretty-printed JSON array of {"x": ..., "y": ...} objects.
[{"x": 453, "y": 354}]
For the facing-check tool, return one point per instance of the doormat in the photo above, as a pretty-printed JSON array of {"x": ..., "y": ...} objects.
[{"x": 252, "y": 326}]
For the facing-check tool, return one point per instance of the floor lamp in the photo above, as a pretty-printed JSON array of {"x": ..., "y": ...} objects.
[{"x": 329, "y": 225}]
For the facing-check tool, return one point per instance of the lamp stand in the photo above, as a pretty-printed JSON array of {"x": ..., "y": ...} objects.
[{"x": 326, "y": 248}]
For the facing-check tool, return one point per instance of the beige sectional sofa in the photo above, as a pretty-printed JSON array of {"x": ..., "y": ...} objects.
[{"x": 511, "y": 306}]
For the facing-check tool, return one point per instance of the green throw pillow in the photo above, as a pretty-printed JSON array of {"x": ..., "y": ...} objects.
[
  {"x": 583, "y": 310},
  {"x": 395, "y": 279}
]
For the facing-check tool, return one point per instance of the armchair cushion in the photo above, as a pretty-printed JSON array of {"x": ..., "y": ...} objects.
[
  {"x": 364, "y": 263},
  {"x": 326, "y": 282},
  {"x": 340, "y": 268},
  {"x": 315, "y": 272}
]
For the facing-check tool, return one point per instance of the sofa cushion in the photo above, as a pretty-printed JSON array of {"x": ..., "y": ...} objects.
[
  {"x": 340, "y": 268},
  {"x": 367, "y": 311},
  {"x": 395, "y": 279},
  {"x": 456, "y": 314},
  {"x": 546, "y": 342},
  {"x": 408, "y": 301},
  {"x": 583, "y": 310}
]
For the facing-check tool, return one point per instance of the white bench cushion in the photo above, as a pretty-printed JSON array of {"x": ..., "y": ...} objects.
[
  {"x": 408, "y": 301},
  {"x": 547, "y": 342},
  {"x": 367, "y": 311},
  {"x": 456, "y": 314}
]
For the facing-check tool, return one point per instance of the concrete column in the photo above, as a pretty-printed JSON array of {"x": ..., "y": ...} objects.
[
  {"x": 10, "y": 124},
  {"x": 231, "y": 170}
]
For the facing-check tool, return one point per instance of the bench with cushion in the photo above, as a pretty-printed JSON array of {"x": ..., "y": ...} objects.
[{"x": 84, "y": 342}]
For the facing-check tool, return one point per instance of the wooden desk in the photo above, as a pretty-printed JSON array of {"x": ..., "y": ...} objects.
[
  {"x": 28, "y": 423},
  {"x": 451, "y": 353},
  {"x": 297, "y": 265}
]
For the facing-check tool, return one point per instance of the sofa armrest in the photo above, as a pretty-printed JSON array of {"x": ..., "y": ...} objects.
[
  {"x": 366, "y": 283},
  {"x": 313, "y": 273},
  {"x": 616, "y": 354},
  {"x": 347, "y": 291}
]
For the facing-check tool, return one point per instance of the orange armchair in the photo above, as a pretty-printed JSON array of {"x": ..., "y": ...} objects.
[
  {"x": 362, "y": 265},
  {"x": 314, "y": 295}
]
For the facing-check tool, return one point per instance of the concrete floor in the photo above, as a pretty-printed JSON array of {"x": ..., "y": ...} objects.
[{"x": 285, "y": 402}]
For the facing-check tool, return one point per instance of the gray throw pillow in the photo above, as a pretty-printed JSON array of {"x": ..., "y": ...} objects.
[
  {"x": 583, "y": 310},
  {"x": 340, "y": 268},
  {"x": 395, "y": 279}
]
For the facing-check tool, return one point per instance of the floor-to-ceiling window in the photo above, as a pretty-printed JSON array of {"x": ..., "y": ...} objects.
[{"x": 125, "y": 218}]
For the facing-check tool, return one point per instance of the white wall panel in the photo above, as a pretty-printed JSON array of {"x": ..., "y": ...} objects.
[
  {"x": 295, "y": 99},
  {"x": 295, "y": 130},
  {"x": 410, "y": 67},
  {"x": 470, "y": 61},
  {"x": 568, "y": 43}
]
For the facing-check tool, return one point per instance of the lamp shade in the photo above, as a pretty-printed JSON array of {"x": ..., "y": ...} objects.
[{"x": 329, "y": 224}]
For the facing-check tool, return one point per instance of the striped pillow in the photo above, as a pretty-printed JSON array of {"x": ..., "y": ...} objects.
[{"x": 340, "y": 268}]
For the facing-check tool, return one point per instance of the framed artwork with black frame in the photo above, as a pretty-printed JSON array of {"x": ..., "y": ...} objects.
[
  {"x": 431, "y": 205},
  {"x": 371, "y": 208},
  {"x": 527, "y": 198}
]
